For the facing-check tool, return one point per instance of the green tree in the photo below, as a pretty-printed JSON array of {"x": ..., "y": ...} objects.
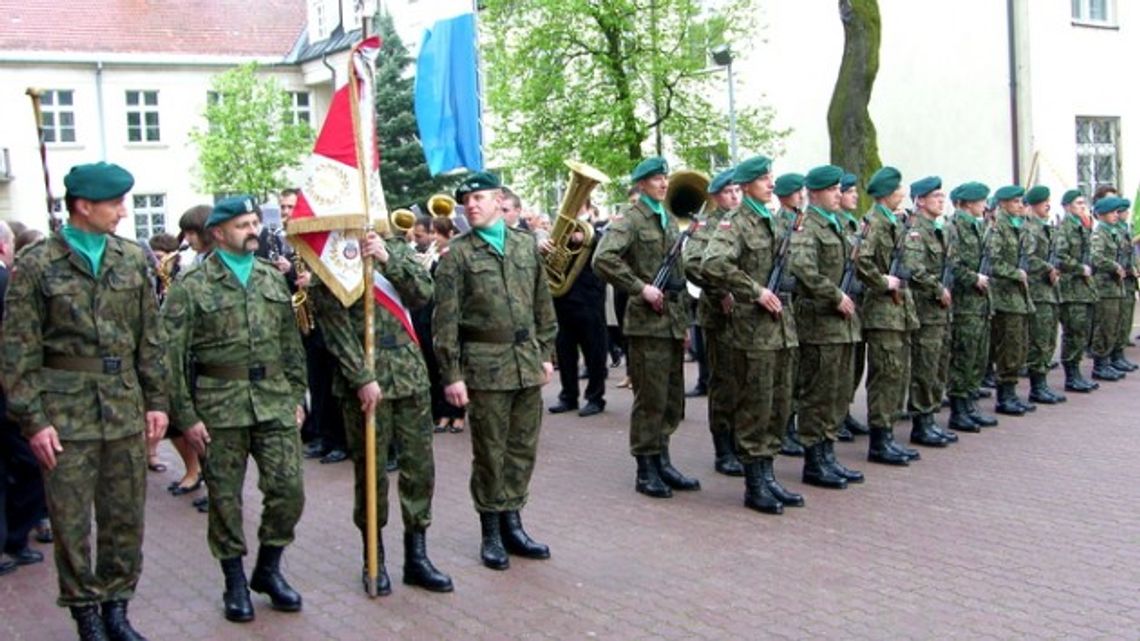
[
  {"x": 854, "y": 141},
  {"x": 250, "y": 140},
  {"x": 403, "y": 167},
  {"x": 608, "y": 81}
]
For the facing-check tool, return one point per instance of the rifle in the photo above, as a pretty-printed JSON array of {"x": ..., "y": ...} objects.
[
  {"x": 1086, "y": 254},
  {"x": 1054, "y": 258},
  {"x": 780, "y": 264},
  {"x": 665, "y": 271},
  {"x": 848, "y": 281},
  {"x": 947, "y": 280},
  {"x": 985, "y": 264},
  {"x": 896, "y": 267},
  {"x": 1023, "y": 257}
]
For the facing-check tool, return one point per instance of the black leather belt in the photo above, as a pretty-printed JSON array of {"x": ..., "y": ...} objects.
[
  {"x": 93, "y": 364},
  {"x": 252, "y": 373},
  {"x": 501, "y": 335}
]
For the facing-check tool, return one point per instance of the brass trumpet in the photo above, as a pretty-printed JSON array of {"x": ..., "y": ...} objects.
[
  {"x": 402, "y": 220},
  {"x": 441, "y": 205}
]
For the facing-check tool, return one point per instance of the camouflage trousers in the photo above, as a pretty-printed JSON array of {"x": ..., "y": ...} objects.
[
  {"x": 408, "y": 420},
  {"x": 1042, "y": 337},
  {"x": 276, "y": 449},
  {"x": 111, "y": 476},
  {"x": 969, "y": 353},
  {"x": 1008, "y": 335},
  {"x": 1106, "y": 333},
  {"x": 760, "y": 416},
  {"x": 888, "y": 373},
  {"x": 1127, "y": 309},
  {"x": 1076, "y": 325},
  {"x": 504, "y": 440},
  {"x": 722, "y": 380},
  {"x": 656, "y": 370},
  {"x": 823, "y": 386},
  {"x": 928, "y": 350},
  {"x": 858, "y": 366}
]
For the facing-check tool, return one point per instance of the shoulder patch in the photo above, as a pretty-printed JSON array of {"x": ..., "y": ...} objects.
[
  {"x": 915, "y": 235},
  {"x": 725, "y": 224},
  {"x": 616, "y": 217}
]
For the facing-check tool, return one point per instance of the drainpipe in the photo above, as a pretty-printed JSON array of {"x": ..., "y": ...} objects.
[
  {"x": 100, "y": 110},
  {"x": 1014, "y": 124},
  {"x": 332, "y": 71}
]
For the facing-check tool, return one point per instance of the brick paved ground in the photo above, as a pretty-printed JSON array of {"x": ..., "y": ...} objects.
[{"x": 1028, "y": 531}]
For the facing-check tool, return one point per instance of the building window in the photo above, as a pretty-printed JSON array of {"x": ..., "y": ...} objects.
[
  {"x": 57, "y": 109},
  {"x": 301, "y": 110},
  {"x": 1098, "y": 153},
  {"x": 150, "y": 215},
  {"x": 1098, "y": 12},
  {"x": 142, "y": 116}
]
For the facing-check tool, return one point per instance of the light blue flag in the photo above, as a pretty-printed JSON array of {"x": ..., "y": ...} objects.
[{"x": 447, "y": 96}]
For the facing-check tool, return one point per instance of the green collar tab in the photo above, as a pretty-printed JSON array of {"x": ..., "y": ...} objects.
[
  {"x": 879, "y": 207},
  {"x": 828, "y": 216},
  {"x": 241, "y": 265},
  {"x": 657, "y": 208},
  {"x": 495, "y": 236},
  {"x": 90, "y": 246},
  {"x": 757, "y": 207}
]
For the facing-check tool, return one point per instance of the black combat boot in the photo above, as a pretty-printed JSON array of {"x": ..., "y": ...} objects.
[
  {"x": 1039, "y": 391},
  {"x": 960, "y": 420},
  {"x": 879, "y": 450},
  {"x": 791, "y": 446},
  {"x": 1007, "y": 401},
  {"x": 268, "y": 580},
  {"x": 817, "y": 472},
  {"x": 990, "y": 378},
  {"x": 854, "y": 426},
  {"x": 726, "y": 461},
  {"x": 1104, "y": 371},
  {"x": 89, "y": 623},
  {"x": 239, "y": 608},
  {"x": 116, "y": 623},
  {"x": 980, "y": 392},
  {"x": 1120, "y": 363},
  {"x": 418, "y": 568},
  {"x": 844, "y": 435},
  {"x": 1074, "y": 382},
  {"x": 982, "y": 420},
  {"x": 829, "y": 459},
  {"x": 782, "y": 494},
  {"x": 383, "y": 581},
  {"x": 649, "y": 480},
  {"x": 492, "y": 550},
  {"x": 517, "y": 541},
  {"x": 757, "y": 495},
  {"x": 672, "y": 476},
  {"x": 921, "y": 432},
  {"x": 911, "y": 454}
]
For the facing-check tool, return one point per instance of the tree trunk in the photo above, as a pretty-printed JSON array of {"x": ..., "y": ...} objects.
[{"x": 854, "y": 141}]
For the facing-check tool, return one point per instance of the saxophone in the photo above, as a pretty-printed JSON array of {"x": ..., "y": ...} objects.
[
  {"x": 165, "y": 268},
  {"x": 563, "y": 262},
  {"x": 302, "y": 306}
]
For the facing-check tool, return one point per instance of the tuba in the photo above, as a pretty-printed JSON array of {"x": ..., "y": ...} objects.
[
  {"x": 563, "y": 263},
  {"x": 402, "y": 220},
  {"x": 441, "y": 206},
  {"x": 688, "y": 191}
]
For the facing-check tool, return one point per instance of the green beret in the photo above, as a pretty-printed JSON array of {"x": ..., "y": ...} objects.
[
  {"x": 648, "y": 168},
  {"x": 1124, "y": 204},
  {"x": 1106, "y": 205},
  {"x": 722, "y": 180},
  {"x": 823, "y": 177},
  {"x": 1009, "y": 192},
  {"x": 971, "y": 192},
  {"x": 478, "y": 181},
  {"x": 884, "y": 182},
  {"x": 955, "y": 194},
  {"x": 789, "y": 184},
  {"x": 1070, "y": 196},
  {"x": 924, "y": 186},
  {"x": 1037, "y": 195},
  {"x": 98, "y": 181},
  {"x": 847, "y": 181},
  {"x": 752, "y": 169},
  {"x": 228, "y": 208}
]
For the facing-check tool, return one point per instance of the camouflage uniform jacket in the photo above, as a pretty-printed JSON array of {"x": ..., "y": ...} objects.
[
  {"x": 709, "y": 312},
  {"x": 628, "y": 257},
  {"x": 854, "y": 230},
  {"x": 398, "y": 366},
  {"x": 57, "y": 307},
  {"x": 493, "y": 324},
  {"x": 1127, "y": 257},
  {"x": 969, "y": 234},
  {"x": 873, "y": 265},
  {"x": 926, "y": 250},
  {"x": 819, "y": 253},
  {"x": 1104, "y": 256},
  {"x": 213, "y": 321},
  {"x": 1074, "y": 252},
  {"x": 739, "y": 259},
  {"x": 1040, "y": 289},
  {"x": 1009, "y": 243}
]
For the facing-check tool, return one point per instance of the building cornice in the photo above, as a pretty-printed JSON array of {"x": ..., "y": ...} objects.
[{"x": 136, "y": 58}]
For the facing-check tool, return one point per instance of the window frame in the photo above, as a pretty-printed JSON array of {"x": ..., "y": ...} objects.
[
  {"x": 1087, "y": 153},
  {"x": 1081, "y": 11},
  {"x": 296, "y": 110},
  {"x": 146, "y": 214},
  {"x": 50, "y": 106},
  {"x": 142, "y": 110}
]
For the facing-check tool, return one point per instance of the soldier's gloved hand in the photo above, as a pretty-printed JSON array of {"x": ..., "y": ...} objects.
[
  {"x": 547, "y": 372},
  {"x": 45, "y": 445},
  {"x": 893, "y": 283},
  {"x": 654, "y": 297},
  {"x": 456, "y": 394},
  {"x": 369, "y": 395},
  {"x": 770, "y": 301},
  {"x": 983, "y": 283},
  {"x": 374, "y": 246},
  {"x": 198, "y": 438},
  {"x": 847, "y": 306},
  {"x": 156, "y": 424}
]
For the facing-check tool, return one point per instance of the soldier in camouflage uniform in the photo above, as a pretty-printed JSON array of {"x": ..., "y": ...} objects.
[
  {"x": 1109, "y": 277},
  {"x": 1043, "y": 277},
  {"x": 848, "y": 201},
  {"x": 889, "y": 318},
  {"x": 1011, "y": 245},
  {"x": 637, "y": 240},
  {"x": 789, "y": 190},
  {"x": 1128, "y": 303},
  {"x": 494, "y": 330},
  {"x": 740, "y": 259},
  {"x": 85, "y": 373},
  {"x": 713, "y": 313},
  {"x": 827, "y": 327},
  {"x": 396, "y": 386},
  {"x": 926, "y": 254},
  {"x": 238, "y": 381},
  {"x": 970, "y": 311},
  {"x": 1075, "y": 289}
]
